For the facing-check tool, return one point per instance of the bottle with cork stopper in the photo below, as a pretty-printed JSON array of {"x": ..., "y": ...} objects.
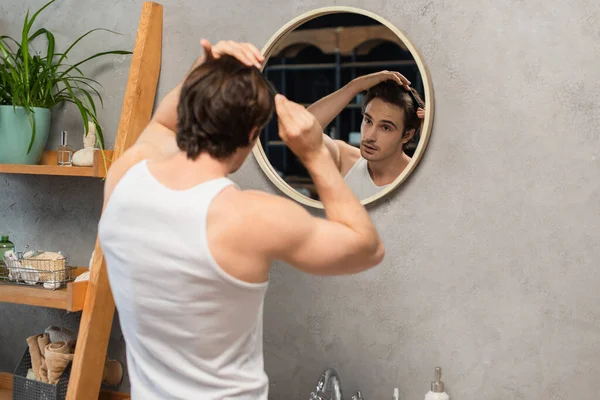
[{"x": 437, "y": 388}]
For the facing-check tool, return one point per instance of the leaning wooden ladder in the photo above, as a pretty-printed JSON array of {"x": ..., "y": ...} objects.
[
  {"x": 99, "y": 307},
  {"x": 94, "y": 298}
]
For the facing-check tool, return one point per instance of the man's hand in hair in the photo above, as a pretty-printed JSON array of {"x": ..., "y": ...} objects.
[{"x": 247, "y": 53}]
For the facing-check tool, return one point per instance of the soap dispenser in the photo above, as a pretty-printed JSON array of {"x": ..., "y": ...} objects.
[{"x": 437, "y": 388}]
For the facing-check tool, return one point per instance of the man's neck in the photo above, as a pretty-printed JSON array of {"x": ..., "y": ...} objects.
[
  {"x": 386, "y": 171},
  {"x": 179, "y": 172}
]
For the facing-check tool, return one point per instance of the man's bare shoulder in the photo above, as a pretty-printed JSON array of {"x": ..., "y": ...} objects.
[
  {"x": 257, "y": 221},
  {"x": 119, "y": 168},
  {"x": 256, "y": 205}
]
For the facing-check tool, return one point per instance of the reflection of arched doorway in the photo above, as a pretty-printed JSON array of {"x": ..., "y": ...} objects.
[{"x": 308, "y": 64}]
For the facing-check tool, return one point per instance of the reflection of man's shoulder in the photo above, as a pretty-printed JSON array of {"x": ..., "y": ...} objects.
[
  {"x": 350, "y": 156},
  {"x": 354, "y": 156}
]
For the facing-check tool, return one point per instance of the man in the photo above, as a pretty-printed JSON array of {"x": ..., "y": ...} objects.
[
  {"x": 391, "y": 115},
  {"x": 188, "y": 254}
]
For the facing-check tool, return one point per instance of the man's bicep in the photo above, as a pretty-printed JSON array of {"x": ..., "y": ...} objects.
[{"x": 318, "y": 246}]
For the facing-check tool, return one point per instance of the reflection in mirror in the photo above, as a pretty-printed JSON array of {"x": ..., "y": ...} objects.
[{"x": 364, "y": 87}]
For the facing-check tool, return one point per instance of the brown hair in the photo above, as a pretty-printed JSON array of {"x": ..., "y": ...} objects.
[
  {"x": 391, "y": 92},
  {"x": 221, "y": 102}
]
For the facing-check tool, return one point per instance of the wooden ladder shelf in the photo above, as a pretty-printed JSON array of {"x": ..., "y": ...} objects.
[{"x": 94, "y": 298}]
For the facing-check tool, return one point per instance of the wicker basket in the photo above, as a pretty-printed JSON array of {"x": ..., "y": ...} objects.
[
  {"x": 27, "y": 389},
  {"x": 38, "y": 269}
]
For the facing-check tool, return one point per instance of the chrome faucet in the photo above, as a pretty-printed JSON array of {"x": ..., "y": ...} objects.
[{"x": 329, "y": 387}]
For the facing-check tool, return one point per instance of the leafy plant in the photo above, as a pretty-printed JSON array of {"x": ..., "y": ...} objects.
[{"x": 29, "y": 79}]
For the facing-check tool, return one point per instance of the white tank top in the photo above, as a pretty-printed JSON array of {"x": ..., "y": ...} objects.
[
  {"x": 360, "y": 182},
  {"x": 192, "y": 330}
]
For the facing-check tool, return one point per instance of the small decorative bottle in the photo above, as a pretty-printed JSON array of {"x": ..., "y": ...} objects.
[{"x": 64, "y": 153}]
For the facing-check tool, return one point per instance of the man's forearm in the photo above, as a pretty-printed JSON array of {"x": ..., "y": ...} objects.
[
  {"x": 327, "y": 108},
  {"x": 341, "y": 205}
]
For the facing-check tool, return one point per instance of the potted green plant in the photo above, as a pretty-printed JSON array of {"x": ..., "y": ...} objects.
[{"x": 32, "y": 83}]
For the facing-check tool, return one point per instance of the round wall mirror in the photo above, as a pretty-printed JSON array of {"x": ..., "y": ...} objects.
[{"x": 369, "y": 88}]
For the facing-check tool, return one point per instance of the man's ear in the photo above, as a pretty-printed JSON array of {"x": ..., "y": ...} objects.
[{"x": 408, "y": 135}]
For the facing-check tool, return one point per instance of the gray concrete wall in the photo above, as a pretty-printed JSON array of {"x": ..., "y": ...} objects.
[{"x": 492, "y": 256}]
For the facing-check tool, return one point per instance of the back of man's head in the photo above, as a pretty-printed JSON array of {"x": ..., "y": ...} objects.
[
  {"x": 222, "y": 101},
  {"x": 391, "y": 92}
]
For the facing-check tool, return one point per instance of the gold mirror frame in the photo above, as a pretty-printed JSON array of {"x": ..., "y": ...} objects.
[{"x": 258, "y": 149}]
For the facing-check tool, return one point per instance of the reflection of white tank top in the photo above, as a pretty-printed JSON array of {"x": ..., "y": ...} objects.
[{"x": 360, "y": 182}]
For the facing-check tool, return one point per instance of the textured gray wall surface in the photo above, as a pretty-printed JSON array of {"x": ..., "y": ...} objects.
[{"x": 492, "y": 259}]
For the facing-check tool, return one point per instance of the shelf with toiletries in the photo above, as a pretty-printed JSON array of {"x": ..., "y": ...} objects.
[
  {"x": 49, "y": 166},
  {"x": 69, "y": 298},
  {"x": 40, "y": 278}
]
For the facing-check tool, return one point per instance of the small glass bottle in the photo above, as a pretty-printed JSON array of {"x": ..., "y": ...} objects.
[
  {"x": 64, "y": 153},
  {"x": 5, "y": 245}
]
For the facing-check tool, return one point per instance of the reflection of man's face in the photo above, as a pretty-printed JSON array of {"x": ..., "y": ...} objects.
[{"x": 381, "y": 131}]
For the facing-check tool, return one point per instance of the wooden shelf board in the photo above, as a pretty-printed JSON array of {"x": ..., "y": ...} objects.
[
  {"x": 70, "y": 298},
  {"x": 46, "y": 170},
  {"x": 6, "y": 389},
  {"x": 5, "y": 394},
  {"x": 6, "y": 386},
  {"x": 48, "y": 166}
]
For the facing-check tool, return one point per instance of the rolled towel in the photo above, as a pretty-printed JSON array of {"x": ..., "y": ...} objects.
[
  {"x": 83, "y": 277},
  {"x": 31, "y": 375},
  {"x": 36, "y": 355},
  {"x": 14, "y": 267},
  {"x": 43, "y": 341},
  {"x": 10, "y": 255},
  {"x": 57, "y": 334},
  {"x": 52, "y": 285},
  {"x": 14, "y": 273},
  {"x": 29, "y": 275},
  {"x": 58, "y": 357},
  {"x": 31, "y": 253}
]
